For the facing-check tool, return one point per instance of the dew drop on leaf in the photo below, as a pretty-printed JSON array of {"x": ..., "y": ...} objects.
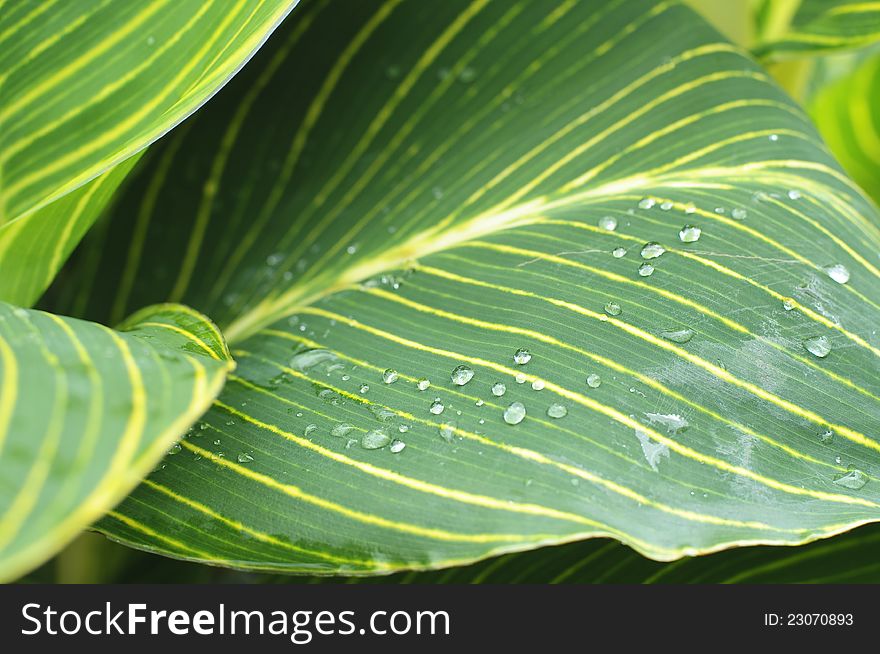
[
  {"x": 498, "y": 389},
  {"x": 678, "y": 335},
  {"x": 514, "y": 414},
  {"x": 522, "y": 356},
  {"x": 390, "y": 376},
  {"x": 608, "y": 223},
  {"x": 652, "y": 250},
  {"x": 618, "y": 252},
  {"x": 647, "y": 203},
  {"x": 557, "y": 410},
  {"x": 612, "y": 309},
  {"x": 461, "y": 375},
  {"x": 594, "y": 381},
  {"x": 375, "y": 439},
  {"x": 244, "y": 457},
  {"x": 397, "y": 446},
  {"x": 818, "y": 346},
  {"x": 423, "y": 384},
  {"x": 341, "y": 429},
  {"x": 646, "y": 270},
  {"x": 538, "y": 385},
  {"x": 690, "y": 234},
  {"x": 437, "y": 407}
]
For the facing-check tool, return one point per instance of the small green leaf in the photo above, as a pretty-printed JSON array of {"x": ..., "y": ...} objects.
[{"x": 86, "y": 412}]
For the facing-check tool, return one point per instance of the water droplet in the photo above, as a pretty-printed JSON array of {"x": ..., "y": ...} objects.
[
  {"x": 351, "y": 249},
  {"x": 390, "y": 376},
  {"x": 498, "y": 389},
  {"x": 514, "y": 414},
  {"x": 403, "y": 428},
  {"x": 520, "y": 378},
  {"x": 174, "y": 449},
  {"x": 397, "y": 446},
  {"x": 423, "y": 384},
  {"x": 341, "y": 429},
  {"x": 678, "y": 335},
  {"x": 447, "y": 431},
  {"x": 690, "y": 207},
  {"x": 788, "y": 304},
  {"x": 826, "y": 436},
  {"x": 618, "y": 252},
  {"x": 652, "y": 250},
  {"x": 689, "y": 234},
  {"x": 646, "y": 270},
  {"x": 375, "y": 439},
  {"x": 437, "y": 407},
  {"x": 381, "y": 413},
  {"x": 538, "y": 385},
  {"x": 818, "y": 346},
  {"x": 594, "y": 381},
  {"x": 838, "y": 273},
  {"x": 773, "y": 137},
  {"x": 612, "y": 309},
  {"x": 738, "y": 214},
  {"x": 274, "y": 259},
  {"x": 310, "y": 429},
  {"x": 522, "y": 356},
  {"x": 308, "y": 359},
  {"x": 364, "y": 388},
  {"x": 244, "y": 457},
  {"x": 608, "y": 223},
  {"x": 854, "y": 479},
  {"x": 461, "y": 375},
  {"x": 794, "y": 195},
  {"x": 557, "y": 411},
  {"x": 647, "y": 203},
  {"x": 666, "y": 205}
]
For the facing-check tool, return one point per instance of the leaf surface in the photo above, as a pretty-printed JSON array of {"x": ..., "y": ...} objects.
[
  {"x": 88, "y": 84},
  {"x": 86, "y": 412},
  {"x": 442, "y": 187}
]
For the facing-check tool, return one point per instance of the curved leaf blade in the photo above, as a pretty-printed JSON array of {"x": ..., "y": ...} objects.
[
  {"x": 460, "y": 214},
  {"x": 797, "y": 27},
  {"x": 34, "y": 247},
  {"x": 85, "y": 413},
  {"x": 88, "y": 84},
  {"x": 847, "y": 112}
]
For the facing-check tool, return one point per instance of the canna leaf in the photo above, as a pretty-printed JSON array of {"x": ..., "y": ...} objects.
[
  {"x": 442, "y": 186},
  {"x": 86, "y": 412}
]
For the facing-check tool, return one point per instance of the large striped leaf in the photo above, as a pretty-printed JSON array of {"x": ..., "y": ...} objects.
[
  {"x": 443, "y": 185},
  {"x": 85, "y": 413},
  {"x": 87, "y": 84},
  {"x": 797, "y": 27},
  {"x": 34, "y": 247},
  {"x": 847, "y": 112}
]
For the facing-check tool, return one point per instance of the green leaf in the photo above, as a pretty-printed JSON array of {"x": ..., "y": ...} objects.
[
  {"x": 85, "y": 413},
  {"x": 88, "y": 84},
  {"x": 851, "y": 558},
  {"x": 847, "y": 113},
  {"x": 433, "y": 190},
  {"x": 35, "y": 246},
  {"x": 798, "y": 27}
]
